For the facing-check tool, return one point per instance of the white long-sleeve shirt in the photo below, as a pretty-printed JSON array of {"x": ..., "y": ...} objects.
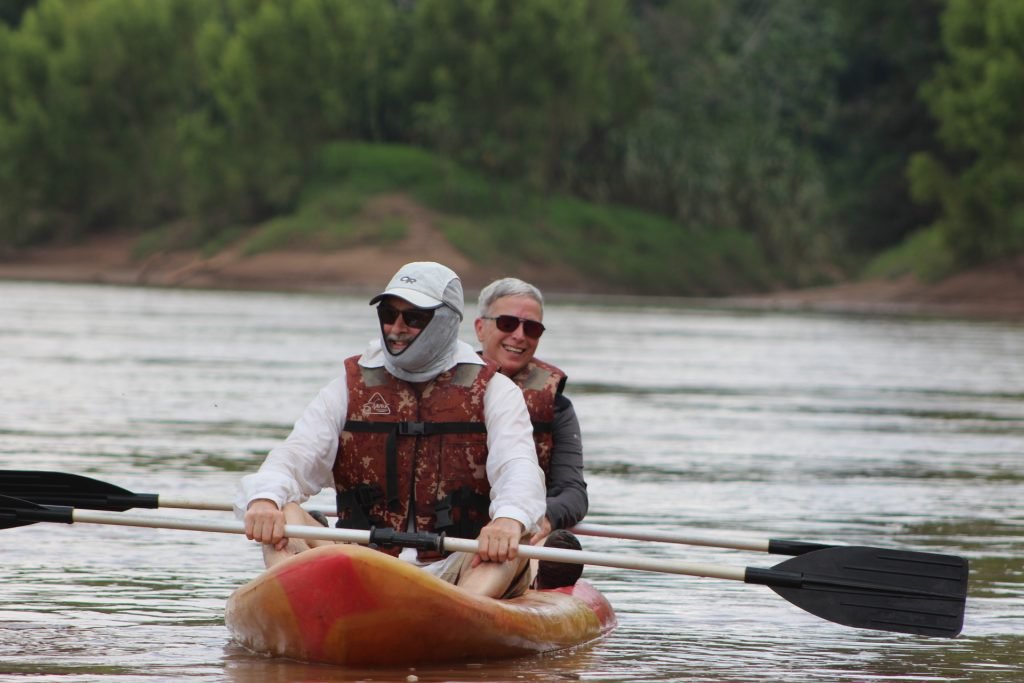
[{"x": 301, "y": 466}]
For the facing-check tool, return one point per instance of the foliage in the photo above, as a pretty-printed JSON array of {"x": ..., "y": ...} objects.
[
  {"x": 924, "y": 254},
  {"x": 11, "y": 11},
  {"x": 889, "y": 49},
  {"x": 757, "y": 142},
  {"x": 282, "y": 77},
  {"x": 977, "y": 97},
  {"x": 325, "y": 220},
  {"x": 520, "y": 89},
  {"x": 87, "y": 130},
  {"x": 503, "y": 222},
  {"x": 743, "y": 89}
]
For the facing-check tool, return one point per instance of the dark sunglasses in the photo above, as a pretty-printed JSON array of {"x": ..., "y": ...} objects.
[
  {"x": 510, "y": 323},
  {"x": 416, "y": 318}
]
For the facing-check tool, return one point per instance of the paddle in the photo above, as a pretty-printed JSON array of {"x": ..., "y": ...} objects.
[
  {"x": 62, "y": 488},
  {"x": 887, "y": 590},
  {"x": 770, "y": 545}
]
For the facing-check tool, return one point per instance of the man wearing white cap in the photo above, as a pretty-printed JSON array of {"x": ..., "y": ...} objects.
[{"x": 418, "y": 434}]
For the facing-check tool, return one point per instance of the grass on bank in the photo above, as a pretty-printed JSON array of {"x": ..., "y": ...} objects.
[
  {"x": 924, "y": 254},
  {"x": 326, "y": 219},
  {"x": 497, "y": 223},
  {"x": 506, "y": 224}
]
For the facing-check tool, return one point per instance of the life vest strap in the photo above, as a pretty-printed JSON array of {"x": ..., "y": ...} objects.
[
  {"x": 543, "y": 427},
  {"x": 354, "y": 506},
  {"x": 407, "y": 428},
  {"x": 463, "y": 501}
]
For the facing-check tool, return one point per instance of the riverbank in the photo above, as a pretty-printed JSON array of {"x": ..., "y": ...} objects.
[{"x": 995, "y": 292}]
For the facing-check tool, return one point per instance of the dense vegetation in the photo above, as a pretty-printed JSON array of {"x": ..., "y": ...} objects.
[{"x": 666, "y": 145}]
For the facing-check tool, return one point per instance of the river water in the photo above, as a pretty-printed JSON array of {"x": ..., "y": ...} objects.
[{"x": 887, "y": 431}]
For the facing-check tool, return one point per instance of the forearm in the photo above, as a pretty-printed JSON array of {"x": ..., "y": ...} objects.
[
  {"x": 516, "y": 480},
  {"x": 567, "y": 507},
  {"x": 518, "y": 493}
]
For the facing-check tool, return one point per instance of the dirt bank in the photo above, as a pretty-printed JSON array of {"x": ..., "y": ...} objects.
[
  {"x": 110, "y": 259},
  {"x": 996, "y": 291}
]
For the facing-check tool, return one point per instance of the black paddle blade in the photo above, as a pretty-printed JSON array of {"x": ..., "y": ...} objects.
[
  {"x": 62, "y": 488},
  {"x": 16, "y": 512},
  {"x": 876, "y": 588}
]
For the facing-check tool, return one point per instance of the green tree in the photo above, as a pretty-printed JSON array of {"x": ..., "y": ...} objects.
[
  {"x": 977, "y": 96},
  {"x": 521, "y": 89},
  {"x": 92, "y": 91},
  {"x": 283, "y": 77},
  {"x": 743, "y": 91},
  {"x": 889, "y": 49},
  {"x": 11, "y": 11},
  {"x": 32, "y": 142}
]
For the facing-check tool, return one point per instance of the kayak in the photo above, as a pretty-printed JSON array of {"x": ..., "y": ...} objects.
[{"x": 347, "y": 604}]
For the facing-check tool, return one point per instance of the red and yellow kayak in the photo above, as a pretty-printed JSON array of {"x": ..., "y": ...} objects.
[{"x": 347, "y": 604}]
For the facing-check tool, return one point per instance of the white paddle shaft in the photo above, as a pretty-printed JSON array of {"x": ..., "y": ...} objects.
[
  {"x": 685, "y": 537},
  {"x": 452, "y": 544},
  {"x": 193, "y": 504},
  {"x": 634, "y": 533}
]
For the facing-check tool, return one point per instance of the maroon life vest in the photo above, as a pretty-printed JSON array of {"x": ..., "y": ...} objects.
[
  {"x": 422, "y": 453},
  {"x": 541, "y": 383}
]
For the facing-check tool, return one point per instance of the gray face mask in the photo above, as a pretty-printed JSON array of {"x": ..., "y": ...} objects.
[{"x": 430, "y": 353}]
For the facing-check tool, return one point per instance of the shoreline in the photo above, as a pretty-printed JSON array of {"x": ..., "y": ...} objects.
[{"x": 995, "y": 292}]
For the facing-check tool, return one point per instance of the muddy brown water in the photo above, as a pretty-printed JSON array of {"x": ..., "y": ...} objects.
[{"x": 899, "y": 432}]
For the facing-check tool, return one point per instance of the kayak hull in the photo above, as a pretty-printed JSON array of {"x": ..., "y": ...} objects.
[{"x": 347, "y": 604}]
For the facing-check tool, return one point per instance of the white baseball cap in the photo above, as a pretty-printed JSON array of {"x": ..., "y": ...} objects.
[{"x": 425, "y": 284}]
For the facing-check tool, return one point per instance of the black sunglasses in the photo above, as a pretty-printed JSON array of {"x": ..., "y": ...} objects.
[
  {"x": 509, "y": 323},
  {"x": 416, "y": 318}
]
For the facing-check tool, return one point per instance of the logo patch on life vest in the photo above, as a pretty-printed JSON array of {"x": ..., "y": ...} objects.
[{"x": 377, "y": 406}]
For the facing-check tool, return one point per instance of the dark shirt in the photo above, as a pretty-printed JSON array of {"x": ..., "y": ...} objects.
[{"x": 567, "y": 491}]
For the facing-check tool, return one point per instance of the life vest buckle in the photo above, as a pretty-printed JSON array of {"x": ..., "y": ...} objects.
[
  {"x": 367, "y": 495},
  {"x": 443, "y": 513},
  {"x": 412, "y": 428}
]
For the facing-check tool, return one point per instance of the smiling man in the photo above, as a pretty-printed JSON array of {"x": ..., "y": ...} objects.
[
  {"x": 509, "y": 328},
  {"x": 417, "y": 434}
]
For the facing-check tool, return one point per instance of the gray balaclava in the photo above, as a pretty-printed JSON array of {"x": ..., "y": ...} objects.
[{"x": 428, "y": 285}]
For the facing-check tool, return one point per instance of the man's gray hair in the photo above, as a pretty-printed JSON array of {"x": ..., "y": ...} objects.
[{"x": 506, "y": 286}]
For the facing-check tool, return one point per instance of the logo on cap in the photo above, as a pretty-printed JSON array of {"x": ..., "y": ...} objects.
[{"x": 406, "y": 278}]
